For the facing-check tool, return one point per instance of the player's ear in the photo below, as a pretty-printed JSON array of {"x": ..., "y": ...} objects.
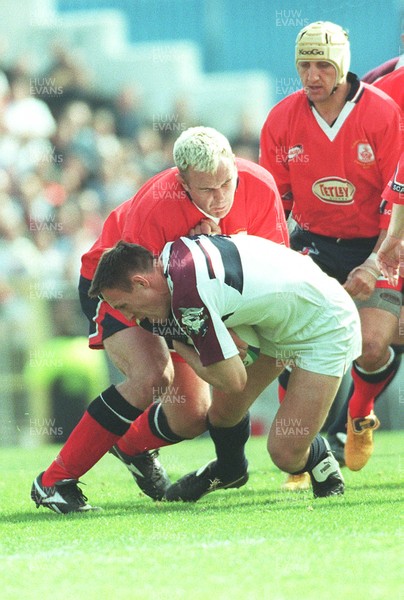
[
  {"x": 140, "y": 280},
  {"x": 182, "y": 181}
]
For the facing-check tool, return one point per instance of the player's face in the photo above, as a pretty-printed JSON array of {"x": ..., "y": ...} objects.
[
  {"x": 213, "y": 193},
  {"x": 142, "y": 301},
  {"x": 318, "y": 79}
]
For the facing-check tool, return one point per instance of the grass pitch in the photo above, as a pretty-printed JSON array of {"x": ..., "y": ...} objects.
[{"x": 255, "y": 543}]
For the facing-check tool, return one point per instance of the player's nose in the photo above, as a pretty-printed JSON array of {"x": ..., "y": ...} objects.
[
  {"x": 218, "y": 194},
  {"x": 312, "y": 72}
]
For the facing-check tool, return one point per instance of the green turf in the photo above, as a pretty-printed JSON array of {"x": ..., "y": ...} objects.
[{"x": 255, "y": 543}]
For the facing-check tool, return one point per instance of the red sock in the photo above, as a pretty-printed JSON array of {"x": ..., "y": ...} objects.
[
  {"x": 363, "y": 398},
  {"x": 283, "y": 381},
  {"x": 140, "y": 436},
  {"x": 281, "y": 393},
  {"x": 87, "y": 443}
]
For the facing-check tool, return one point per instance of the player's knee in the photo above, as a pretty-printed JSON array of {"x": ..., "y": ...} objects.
[
  {"x": 142, "y": 388},
  {"x": 373, "y": 351},
  {"x": 186, "y": 415},
  {"x": 192, "y": 428},
  {"x": 155, "y": 381},
  {"x": 222, "y": 415},
  {"x": 284, "y": 456}
]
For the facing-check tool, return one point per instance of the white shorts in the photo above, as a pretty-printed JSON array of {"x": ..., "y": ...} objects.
[{"x": 327, "y": 344}]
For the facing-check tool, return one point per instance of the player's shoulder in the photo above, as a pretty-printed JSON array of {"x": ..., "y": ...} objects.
[
  {"x": 253, "y": 173},
  {"x": 162, "y": 187},
  {"x": 164, "y": 180},
  {"x": 287, "y": 104},
  {"x": 379, "y": 100},
  {"x": 393, "y": 85},
  {"x": 284, "y": 113},
  {"x": 396, "y": 75}
]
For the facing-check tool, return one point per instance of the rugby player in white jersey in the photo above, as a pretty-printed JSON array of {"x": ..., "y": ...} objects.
[{"x": 209, "y": 284}]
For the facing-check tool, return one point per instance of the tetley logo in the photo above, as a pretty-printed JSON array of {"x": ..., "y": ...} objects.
[{"x": 334, "y": 190}]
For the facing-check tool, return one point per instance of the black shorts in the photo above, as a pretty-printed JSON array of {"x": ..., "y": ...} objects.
[
  {"x": 103, "y": 320},
  {"x": 336, "y": 257}
]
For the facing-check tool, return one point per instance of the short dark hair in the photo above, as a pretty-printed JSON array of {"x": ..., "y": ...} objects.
[{"x": 117, "y": 264}]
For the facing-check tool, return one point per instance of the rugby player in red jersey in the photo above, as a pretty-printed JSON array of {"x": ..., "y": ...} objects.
[
  {"x": 393, "y": 85},
  {"x": 209, "y": 190},
  {"x": 331, "y": 148}
]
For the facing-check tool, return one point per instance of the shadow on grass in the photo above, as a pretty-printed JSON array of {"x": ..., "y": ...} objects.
[{"x": 226, "y": 500}]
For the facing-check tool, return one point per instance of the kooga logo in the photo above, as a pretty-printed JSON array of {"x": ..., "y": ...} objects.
[{"x": 315, "y": 51}]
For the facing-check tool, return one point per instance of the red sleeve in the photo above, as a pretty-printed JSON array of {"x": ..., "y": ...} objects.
[
  {"x": 390, "y": 141},
  {"x": 385, "y": 215},
  {"x": 273, "y": 156},
  {"x": 394, "y": 191},
  {"x": 266, "y": 213},
  {"x": 257, "y": 208}
]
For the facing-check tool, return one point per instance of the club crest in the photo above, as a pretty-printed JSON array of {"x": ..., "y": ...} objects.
[{"x": 193, "y": 320}]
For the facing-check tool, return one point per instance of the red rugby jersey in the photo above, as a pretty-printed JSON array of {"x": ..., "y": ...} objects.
[
  {"x": 161, "y": 212},
  {"x": 333, "y": 177},
  {"x": 393, "y": 85}
]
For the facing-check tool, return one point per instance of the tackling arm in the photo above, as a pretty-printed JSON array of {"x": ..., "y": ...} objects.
[{"x": 227, "y": 375}]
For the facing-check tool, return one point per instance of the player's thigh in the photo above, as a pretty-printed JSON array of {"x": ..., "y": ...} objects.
[
  {"x": 186, "y": 401},
  {"x": 228, "y": 410},
  {"x": 301, "y": 414},
  {"x": 398, "y": 337},
  {"x": 145, "y": 361},
  {"x": 379, "y": 328}
]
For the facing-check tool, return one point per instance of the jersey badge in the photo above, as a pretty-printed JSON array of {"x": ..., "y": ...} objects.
[
  {"x": 294, "y": 152},
  {"x": 365, "y": 153},
  {"x": 193, "y": 320}
]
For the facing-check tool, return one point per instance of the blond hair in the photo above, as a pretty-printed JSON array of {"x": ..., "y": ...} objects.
[{"x": 201, "y": 148}]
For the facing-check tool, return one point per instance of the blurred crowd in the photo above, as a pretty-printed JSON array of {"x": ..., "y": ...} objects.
[{"x": 68, "y": 156}]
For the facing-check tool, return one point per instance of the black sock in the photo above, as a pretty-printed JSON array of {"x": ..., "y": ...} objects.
[
  {"x": 391, "y": 369},
  {"x": 318, "y": 451},
  {"x": 339, "y": 425},
  {"x": 398, "y": 349},
  {"x": 159, "y": 425},
  {"x": 113, "y": 412},
  {"x": 229, "y": 444}
]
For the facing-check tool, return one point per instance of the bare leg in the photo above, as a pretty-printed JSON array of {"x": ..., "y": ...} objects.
[{"x": 299, "y": 418}]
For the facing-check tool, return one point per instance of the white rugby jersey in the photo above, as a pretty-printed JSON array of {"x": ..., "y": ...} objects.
[{"x": 218, "y": 282}]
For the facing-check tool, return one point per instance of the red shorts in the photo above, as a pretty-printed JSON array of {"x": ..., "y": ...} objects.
[{"x": 104, "y": 320}]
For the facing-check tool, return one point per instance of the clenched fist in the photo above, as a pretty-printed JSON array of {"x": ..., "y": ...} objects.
[{"x": 205, "y": 227}]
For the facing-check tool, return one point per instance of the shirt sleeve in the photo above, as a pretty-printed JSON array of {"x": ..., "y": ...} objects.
[
  {"x": 394, "y": 191},
  {"x": 266, "y": 212},
  {"x": 197, "y": 312},
  {"x": 273, "y": 157}
]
